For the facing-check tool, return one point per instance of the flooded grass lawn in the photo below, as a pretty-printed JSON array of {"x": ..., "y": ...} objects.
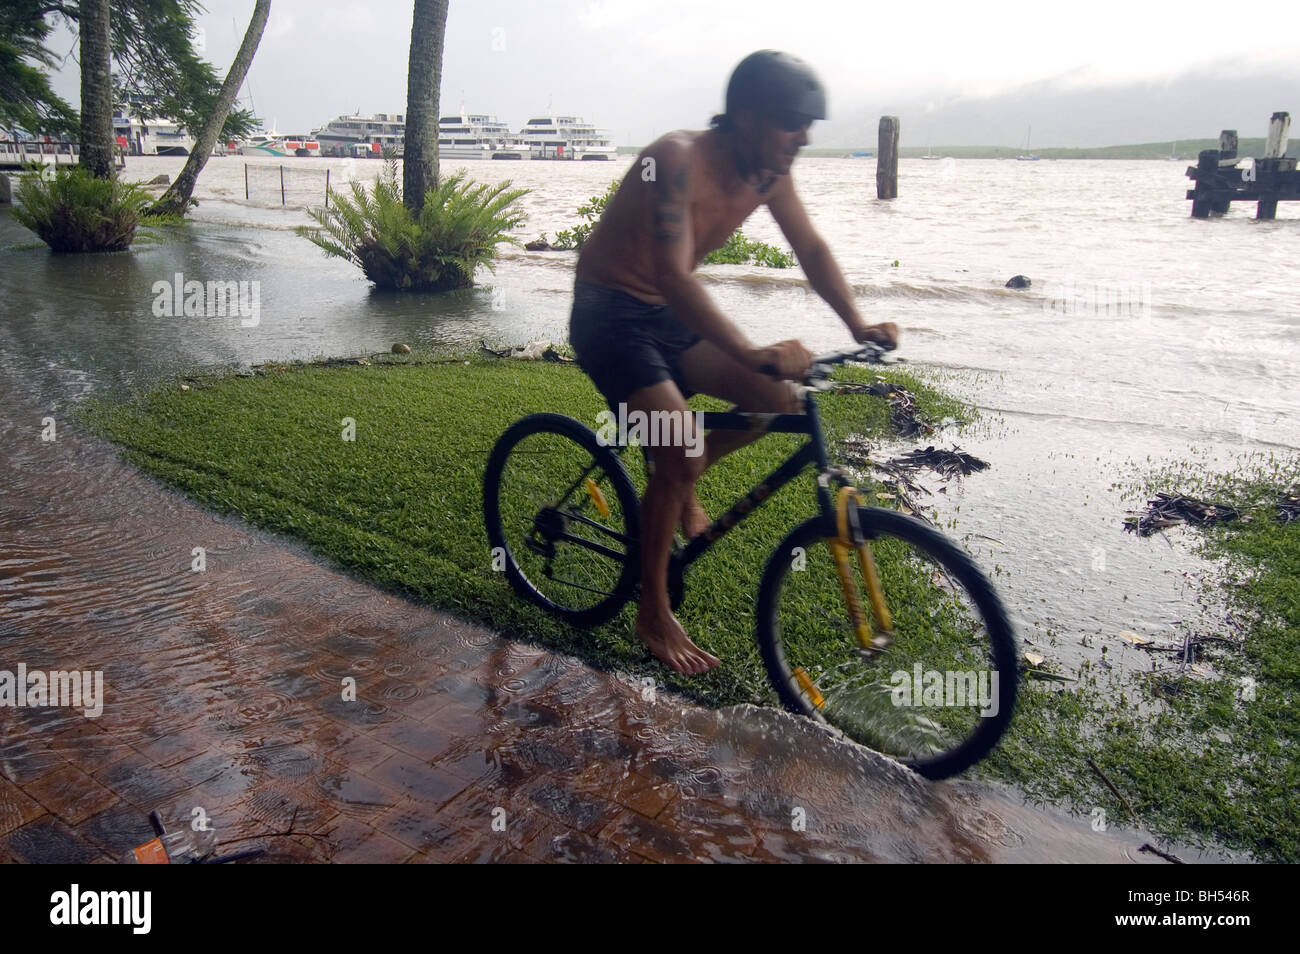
[{"x": 400, "y": 506}]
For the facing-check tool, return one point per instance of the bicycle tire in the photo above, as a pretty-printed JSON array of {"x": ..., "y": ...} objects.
[
  {"x": 914, "y": 536},
  {"x": 528, "y": 582}
]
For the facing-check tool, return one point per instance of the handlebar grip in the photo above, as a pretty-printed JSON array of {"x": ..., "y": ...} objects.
[{"x": 770, "y": 370}]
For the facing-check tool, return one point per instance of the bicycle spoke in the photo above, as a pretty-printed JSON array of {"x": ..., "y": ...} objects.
[{"x": 921, "y": 695}]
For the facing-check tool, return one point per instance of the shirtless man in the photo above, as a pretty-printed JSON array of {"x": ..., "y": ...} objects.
[{"x": 645, "y": 330}]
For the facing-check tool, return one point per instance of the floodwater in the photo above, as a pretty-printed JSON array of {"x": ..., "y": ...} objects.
[{"x": 1200, "y": 361}]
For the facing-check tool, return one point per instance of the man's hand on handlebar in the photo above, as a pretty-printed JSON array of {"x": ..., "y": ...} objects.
[
  {"x": 785, "y": 359},
  {"x": 884, "y": 334}
]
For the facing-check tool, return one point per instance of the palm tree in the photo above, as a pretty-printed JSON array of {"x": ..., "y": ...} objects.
[
  {"x": 423, "y": 80},
  {"x": 178, "y": 197},
  {"x": 96, "y": 89}
]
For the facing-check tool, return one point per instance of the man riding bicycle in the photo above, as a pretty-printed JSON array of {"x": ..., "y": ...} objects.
[{"x": 644, "y": 329}]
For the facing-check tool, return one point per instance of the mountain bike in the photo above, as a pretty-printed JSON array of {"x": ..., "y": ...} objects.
[{"x": 922, "y": 669}]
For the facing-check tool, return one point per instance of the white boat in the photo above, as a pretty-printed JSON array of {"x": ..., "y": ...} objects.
[
  {"x": 930, "y": 155},
  {"x": 341, "y": 135},
  {"x": 1173, "y": 153},
  {"x": 565, "y": 137},
  {"x": 477, "y": 136},
  {"x": 145, "y": 136},
  {"x": 274, "y": 144},
  {"x": 1027, "y": 156},
  {"x": 21, "y": 153}
]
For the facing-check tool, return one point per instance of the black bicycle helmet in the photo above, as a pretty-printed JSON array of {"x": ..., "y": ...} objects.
[{"x": 774, "y": 83}]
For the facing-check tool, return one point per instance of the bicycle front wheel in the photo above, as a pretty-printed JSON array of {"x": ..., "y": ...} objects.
[
  {"x": 561, "y": 515},
  {"x": 938, "y": 693}
]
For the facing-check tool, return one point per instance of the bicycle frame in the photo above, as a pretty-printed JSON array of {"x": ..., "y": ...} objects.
[{"x": 813, "y": 452}]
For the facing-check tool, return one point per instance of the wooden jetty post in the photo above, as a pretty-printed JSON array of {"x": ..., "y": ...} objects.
[
  {"x": 1227, "y": 157},
  {"x": 1269, "y": 179},
  {"x": 887, "y": 159},
  {"x": 1273, "y": 162}
]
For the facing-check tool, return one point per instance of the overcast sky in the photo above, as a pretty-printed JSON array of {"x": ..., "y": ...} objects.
[{"x": 957, "y": 72}]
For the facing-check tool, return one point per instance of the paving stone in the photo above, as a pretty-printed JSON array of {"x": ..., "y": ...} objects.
[
  {"x": 48, "y": 841},
  {"x": 70, "y": 794}
]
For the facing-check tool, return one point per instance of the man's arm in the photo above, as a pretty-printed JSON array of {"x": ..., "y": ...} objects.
[
  {"x": 819, "y": 265},
  {"x": 674, "y": 249}
]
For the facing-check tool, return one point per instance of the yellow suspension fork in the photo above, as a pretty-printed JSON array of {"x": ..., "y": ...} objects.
[{"x": 851, "y": 536}]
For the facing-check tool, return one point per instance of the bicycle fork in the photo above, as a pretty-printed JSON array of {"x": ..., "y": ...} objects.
[{"x": 850, "y": 537}]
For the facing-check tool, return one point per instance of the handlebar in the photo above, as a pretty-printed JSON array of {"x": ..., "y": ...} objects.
[{"x": 821, "y": 366}]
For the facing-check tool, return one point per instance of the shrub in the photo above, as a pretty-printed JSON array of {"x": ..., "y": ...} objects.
[
  {"x": 590, "y": 211},
  {"x": 741, "y": 251},
  {"x": 459, "y": 229},
  {"x": 72, "y": 211},
  {"x": 738, "y": 250}
]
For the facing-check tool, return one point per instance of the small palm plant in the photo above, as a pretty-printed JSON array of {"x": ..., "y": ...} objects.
[
  {"x": 72, "y": 211},
  {"x": 459, "y": 229}
]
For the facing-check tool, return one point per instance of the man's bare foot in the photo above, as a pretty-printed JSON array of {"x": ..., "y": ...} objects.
[
  {"x": 664, "y": 636},
  {"x": 694, "y": 520}
]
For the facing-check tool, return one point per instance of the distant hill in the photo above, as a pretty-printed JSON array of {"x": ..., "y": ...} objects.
[
  {"x": 1149, "y": 150},
  {"x": 1187, "y": 150}
]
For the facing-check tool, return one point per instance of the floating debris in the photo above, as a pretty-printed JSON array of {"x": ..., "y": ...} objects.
[
  {"x": 903, "y": 414},
  {"x": 1288, "y": 504},
  {"x": 533, "y": 351},
  {"x": 1168, "y": 510},
  {"x": 945, "y": 463},
  {"x": 1133, "y": 638}
]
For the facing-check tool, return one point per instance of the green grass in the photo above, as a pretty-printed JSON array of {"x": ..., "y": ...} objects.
[
  {"x": 1197, "y": 758},
  {"x": 401, "y": 506}
]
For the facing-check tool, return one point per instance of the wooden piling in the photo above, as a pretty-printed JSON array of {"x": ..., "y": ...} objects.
[
  {"x": 1271, "y": 178},
  {"x": 245, "y": 182},
  {"x": 1227, "y": 157},
  {"x": 887, "y": 159},
  {"x": 1279, "y": 129},
  {"x": 282, "y": 185},
  {"x": 1207, "y": 167},
  {"x": 1228, "y": 144}
]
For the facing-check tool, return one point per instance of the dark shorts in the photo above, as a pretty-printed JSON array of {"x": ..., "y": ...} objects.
[{"x": 625, "y": 344}]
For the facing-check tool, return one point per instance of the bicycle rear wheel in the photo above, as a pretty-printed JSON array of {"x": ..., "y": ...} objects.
[
  {"x": 940, "y": 694},
  {"x": 562, "y": 511}
]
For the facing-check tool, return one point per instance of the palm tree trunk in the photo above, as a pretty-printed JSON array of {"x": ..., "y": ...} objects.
[
  {"x": 177, "y": 198},
  {"x": 423, "y": 80},
  {"x": 96, "y": 88}
]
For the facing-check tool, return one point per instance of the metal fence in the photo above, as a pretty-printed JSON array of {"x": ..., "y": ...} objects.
[{"x": 299, "y": 187}]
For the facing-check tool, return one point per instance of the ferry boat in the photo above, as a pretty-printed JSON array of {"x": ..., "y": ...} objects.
[
  {"x": 340, "y": 135},
  {"x": 273, "y": 144},
  {"x": 477, "y": 136},
  {"x": 143, "y": 136},
  {"x": 565, "y": 137},
  {"x": 20, "y": 153}
]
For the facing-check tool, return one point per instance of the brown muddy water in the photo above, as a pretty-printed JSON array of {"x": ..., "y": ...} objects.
[{"x": 221, "y": 687}]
